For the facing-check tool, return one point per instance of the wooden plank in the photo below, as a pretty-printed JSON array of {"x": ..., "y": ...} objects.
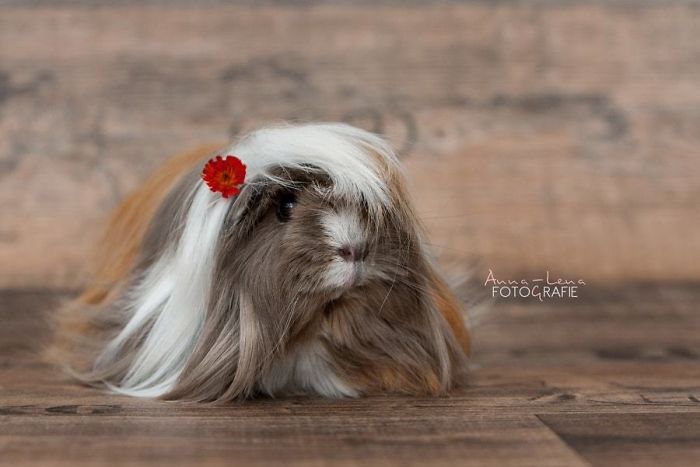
[
  {"x": 631, "y": 439},
  {"x": 538, "y": 136},
  {"x": 382, "y": 438}
]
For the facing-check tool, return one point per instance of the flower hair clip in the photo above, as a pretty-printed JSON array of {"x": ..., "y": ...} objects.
[{"x": 225, "y": 176}]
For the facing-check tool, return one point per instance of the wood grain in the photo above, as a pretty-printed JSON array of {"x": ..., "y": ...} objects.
[
  {"x": 626, "y": 439},
  {"x": 538, "y": 135},
  {"x": 612, "y": 378}
]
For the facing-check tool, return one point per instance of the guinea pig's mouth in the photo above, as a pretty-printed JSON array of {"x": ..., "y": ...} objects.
[
  {"x": 341, "y": 275},
  {"x": 357, "y": 277}
]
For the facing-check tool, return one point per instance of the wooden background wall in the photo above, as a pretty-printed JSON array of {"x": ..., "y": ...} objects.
[{"x": 538, "y": 135}]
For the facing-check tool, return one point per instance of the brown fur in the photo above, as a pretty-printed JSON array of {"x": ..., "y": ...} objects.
[
  {"x": 401, "y": 331},
  {"x": 444, "y": 298},
  {"x": 450, "y": 309}
]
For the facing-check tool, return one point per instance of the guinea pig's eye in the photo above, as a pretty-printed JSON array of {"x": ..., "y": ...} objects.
[{"x": 285, "y": 206}]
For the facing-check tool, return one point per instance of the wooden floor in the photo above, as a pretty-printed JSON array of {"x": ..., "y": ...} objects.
[{"x": 612, "y": 378}]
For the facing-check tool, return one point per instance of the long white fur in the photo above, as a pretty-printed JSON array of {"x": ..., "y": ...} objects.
[
  {"x": 173, "y": 294},
  {"x": 172, "y": 297},
  {"x": 341, "y": 151}
]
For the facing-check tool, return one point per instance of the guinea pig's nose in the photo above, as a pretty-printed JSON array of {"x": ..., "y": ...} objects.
[{"x": 352, "y": 252}]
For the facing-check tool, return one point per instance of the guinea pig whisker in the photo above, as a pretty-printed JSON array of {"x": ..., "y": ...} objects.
[
  {"x": 458, "y": 216},
  {"x": 402, "y": 249},
  {"x": 446, "y": 248}
]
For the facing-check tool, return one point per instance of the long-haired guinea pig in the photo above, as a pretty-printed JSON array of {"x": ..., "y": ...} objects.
[{"x": 310, "y": 277}]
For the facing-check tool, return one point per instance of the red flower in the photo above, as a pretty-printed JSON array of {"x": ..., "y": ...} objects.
[{"x": 225, "y": 176}]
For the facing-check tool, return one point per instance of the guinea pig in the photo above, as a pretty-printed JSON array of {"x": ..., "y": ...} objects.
[{"x": 310, "y": 276}]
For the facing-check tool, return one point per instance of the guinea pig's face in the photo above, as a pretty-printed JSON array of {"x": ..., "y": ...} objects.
[{"x": 295, "y": 244}]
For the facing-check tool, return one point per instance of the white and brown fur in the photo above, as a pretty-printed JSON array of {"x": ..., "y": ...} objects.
[{"x": 203, "y": 298}]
